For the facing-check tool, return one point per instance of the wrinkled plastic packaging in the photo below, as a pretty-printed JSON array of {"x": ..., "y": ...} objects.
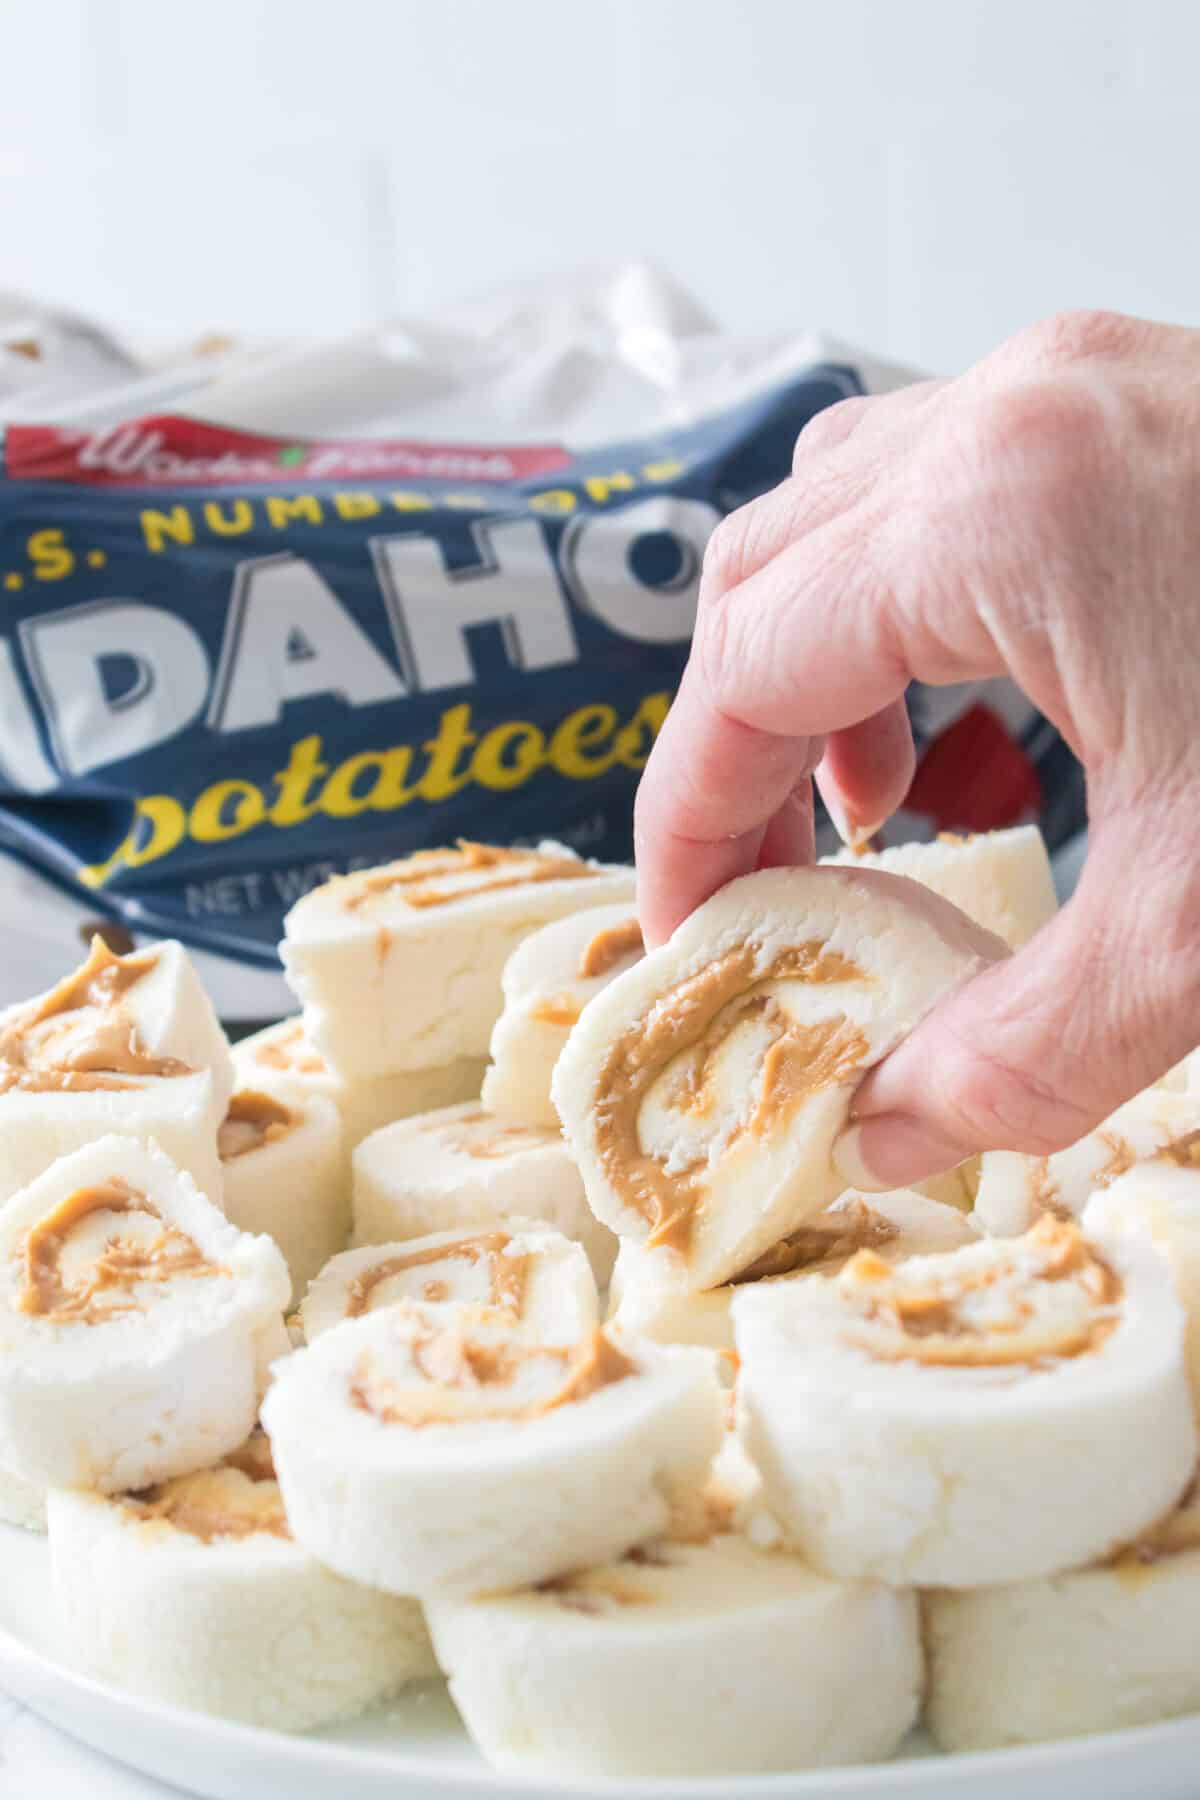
[{"x": 273, "y": 615}]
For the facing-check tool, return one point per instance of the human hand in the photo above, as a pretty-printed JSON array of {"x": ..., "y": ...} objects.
[{"x": 1038, "y": 517}]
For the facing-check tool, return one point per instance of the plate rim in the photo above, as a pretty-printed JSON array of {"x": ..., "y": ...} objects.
[{"x": 248, "y": 1741}]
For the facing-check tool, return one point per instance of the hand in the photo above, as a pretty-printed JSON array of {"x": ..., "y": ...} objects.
[{"x": 1040, "y": 517}]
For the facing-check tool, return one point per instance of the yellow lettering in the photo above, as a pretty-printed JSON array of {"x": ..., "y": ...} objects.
[
  {"x": 635, "y": 741},
  {"x": 356, "y": 506},
  {"x": 281, "y": 511},
  {"x": 165, "y": 821},
  {"x": 304, "y": 769},
  {"x": 508, "y": 755},
  {"x": 50, "y": 556},
  {"x": 476, "y": 502},
  {"x": 388, "y": 790},
  {"x": 208, "y": 823},
  {"x": 667, "y": 470},
  {"x": 162, "y": 528},
  {"x": 554, "y": 500},
  {"x": 442, "y": 777},
  {"x": 411, "y": 502},
  {"x": 599, "y": 487},
  {"x": 242, "y": 520},
  {"x": 582, "y": 748}
]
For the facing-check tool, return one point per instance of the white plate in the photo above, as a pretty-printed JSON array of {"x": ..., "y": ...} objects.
[{"x": 417, "y": 1747}]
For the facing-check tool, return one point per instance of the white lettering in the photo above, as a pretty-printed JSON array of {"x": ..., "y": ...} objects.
[
  {"x": 600, "y": 565},
  {"x": 288, "y": 637},
  {"x": 22, "y": 764},
  {"x": 513, "y": 585},
  {"x": 66, "y": 653}
]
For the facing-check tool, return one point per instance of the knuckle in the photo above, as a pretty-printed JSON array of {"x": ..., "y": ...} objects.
[
  {"x": 727, "y": 553},
  {"x": 1051, "y": 441},
  {"x": 828, "y": 428},
  {"x": 1079, "y": 334}
]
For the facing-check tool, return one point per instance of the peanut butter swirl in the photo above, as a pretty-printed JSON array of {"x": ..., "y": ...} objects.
[
  {"x": 105, "y": 1288},
  {"x": 238, "y": 1498},
  {"x": 423, "y": 879},
  {"x": 253, "y": 1119},
  {"x": 853, "y": 1228},
  {"x": 685, "y": 1029},
  {"x": 1044, "y": 1298},
  {"x": 461, "y": 1375},
  {"x": 507, "y": 1274},
  {"x": 609, "y": 947},
  {"x": 484, "y": 1137},
  {"x": 288, "y": 1051},
  {"x": 79, "y": 1036}
]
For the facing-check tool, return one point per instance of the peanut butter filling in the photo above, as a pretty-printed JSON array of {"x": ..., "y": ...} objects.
[
  {"x": 855, "y": 1227},
  {"x": 498, "y": 1140},
  {"x": 1183, "y": 1151},
  {"x": 54, "y": 1045},
  {"x": 507, "y": 1275},
  {"x": 420, "y": 881},
  {"x": 1052, "y": 1297},
  {"x": 461, "y": 1376},
  {"x": 238, "y": 1498},
  {"x": 597, "y": 1591},
  {"x": 557, "y": 1009},
  {"x": 609, "y": 947},
  {"x": 253, "y": 1120},
  {"x": 289, "y": 1052},
  {"x": 686, "y": 1027},
  {"x": 123, "y": 1263}
]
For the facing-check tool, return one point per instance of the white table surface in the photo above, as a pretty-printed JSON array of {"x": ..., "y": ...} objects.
[{"x": 39, "y": 1763}]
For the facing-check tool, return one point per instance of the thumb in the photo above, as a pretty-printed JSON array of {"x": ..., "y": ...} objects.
[{"x": 1036, "y": 1051}]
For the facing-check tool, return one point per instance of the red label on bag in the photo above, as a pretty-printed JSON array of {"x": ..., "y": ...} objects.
[{"x": 169, "y": 451}]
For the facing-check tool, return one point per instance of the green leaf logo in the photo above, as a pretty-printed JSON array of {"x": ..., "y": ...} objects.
[{"x": 292, "y": 456}]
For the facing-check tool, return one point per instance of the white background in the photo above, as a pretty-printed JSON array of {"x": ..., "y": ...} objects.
[{"x": 921, "y": 175}]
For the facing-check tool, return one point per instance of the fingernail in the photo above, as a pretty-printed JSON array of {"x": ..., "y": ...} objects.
[
  {"x": 853, "y": 834},
  {"x": 891, "y": 1151}
]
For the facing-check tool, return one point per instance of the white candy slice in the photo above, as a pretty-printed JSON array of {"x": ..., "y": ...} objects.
[
  {"x": 127, "y": 1044},
  {"x": 547, "y": 982},
  {"x": 282, "y": 1052},
  {"x": 22, "y": 1502},
  {"x": 285, "y": 1174},
  {"x": 1001, "y": 879},
  {"x": 1160, "y": 1198},
  {"x": 1016, "y": 1190},
  {"x": 998, "y": 1413},
  {"x": 132, "y": 1320},
  {"x": 194, "y": 1593},
  {"x": 702, "y": 1091},
  {"x": 461, "y": 1166},
  {"x": 649, "y": 1294},
  {"x": 1096, "y": 1650},
  {"x": 520, "y": 1275},
  {"x": 427, "y": 1457},
  {"x": 399, "y": 967},
  {"x": 703, "y": 1658}
]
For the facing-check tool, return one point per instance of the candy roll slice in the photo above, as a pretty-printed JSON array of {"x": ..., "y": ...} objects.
[
  {"x": 1016, "y": 1190},
  {"x": 282, "y": 1053},
  {"x": 133, "y": 1317},
  {"x": 1160, "y": 1199},
  {"x": 702, "y": 1091},
  {"x": 461, "y": 1166},
  {"x": 522, "y": 1275},
  {"x": 649, "y": 1294},
  {"x": 285, "y": 1174},
  {"x": 995, "y": 1414},
  {"x": 547, "y": 982},
  {"x": 426, "y": 1457},
  {"x": 194, "y": 1593},
  {"x": 703, "y": 1657},
  {"x": 127, "y": 1044},
  {"x": 22, "y": 1502},
  {"x": 1097, "y": 1649},
  {"x": 399, "y": 967},
  {"x": 1001, "y": 879}
]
